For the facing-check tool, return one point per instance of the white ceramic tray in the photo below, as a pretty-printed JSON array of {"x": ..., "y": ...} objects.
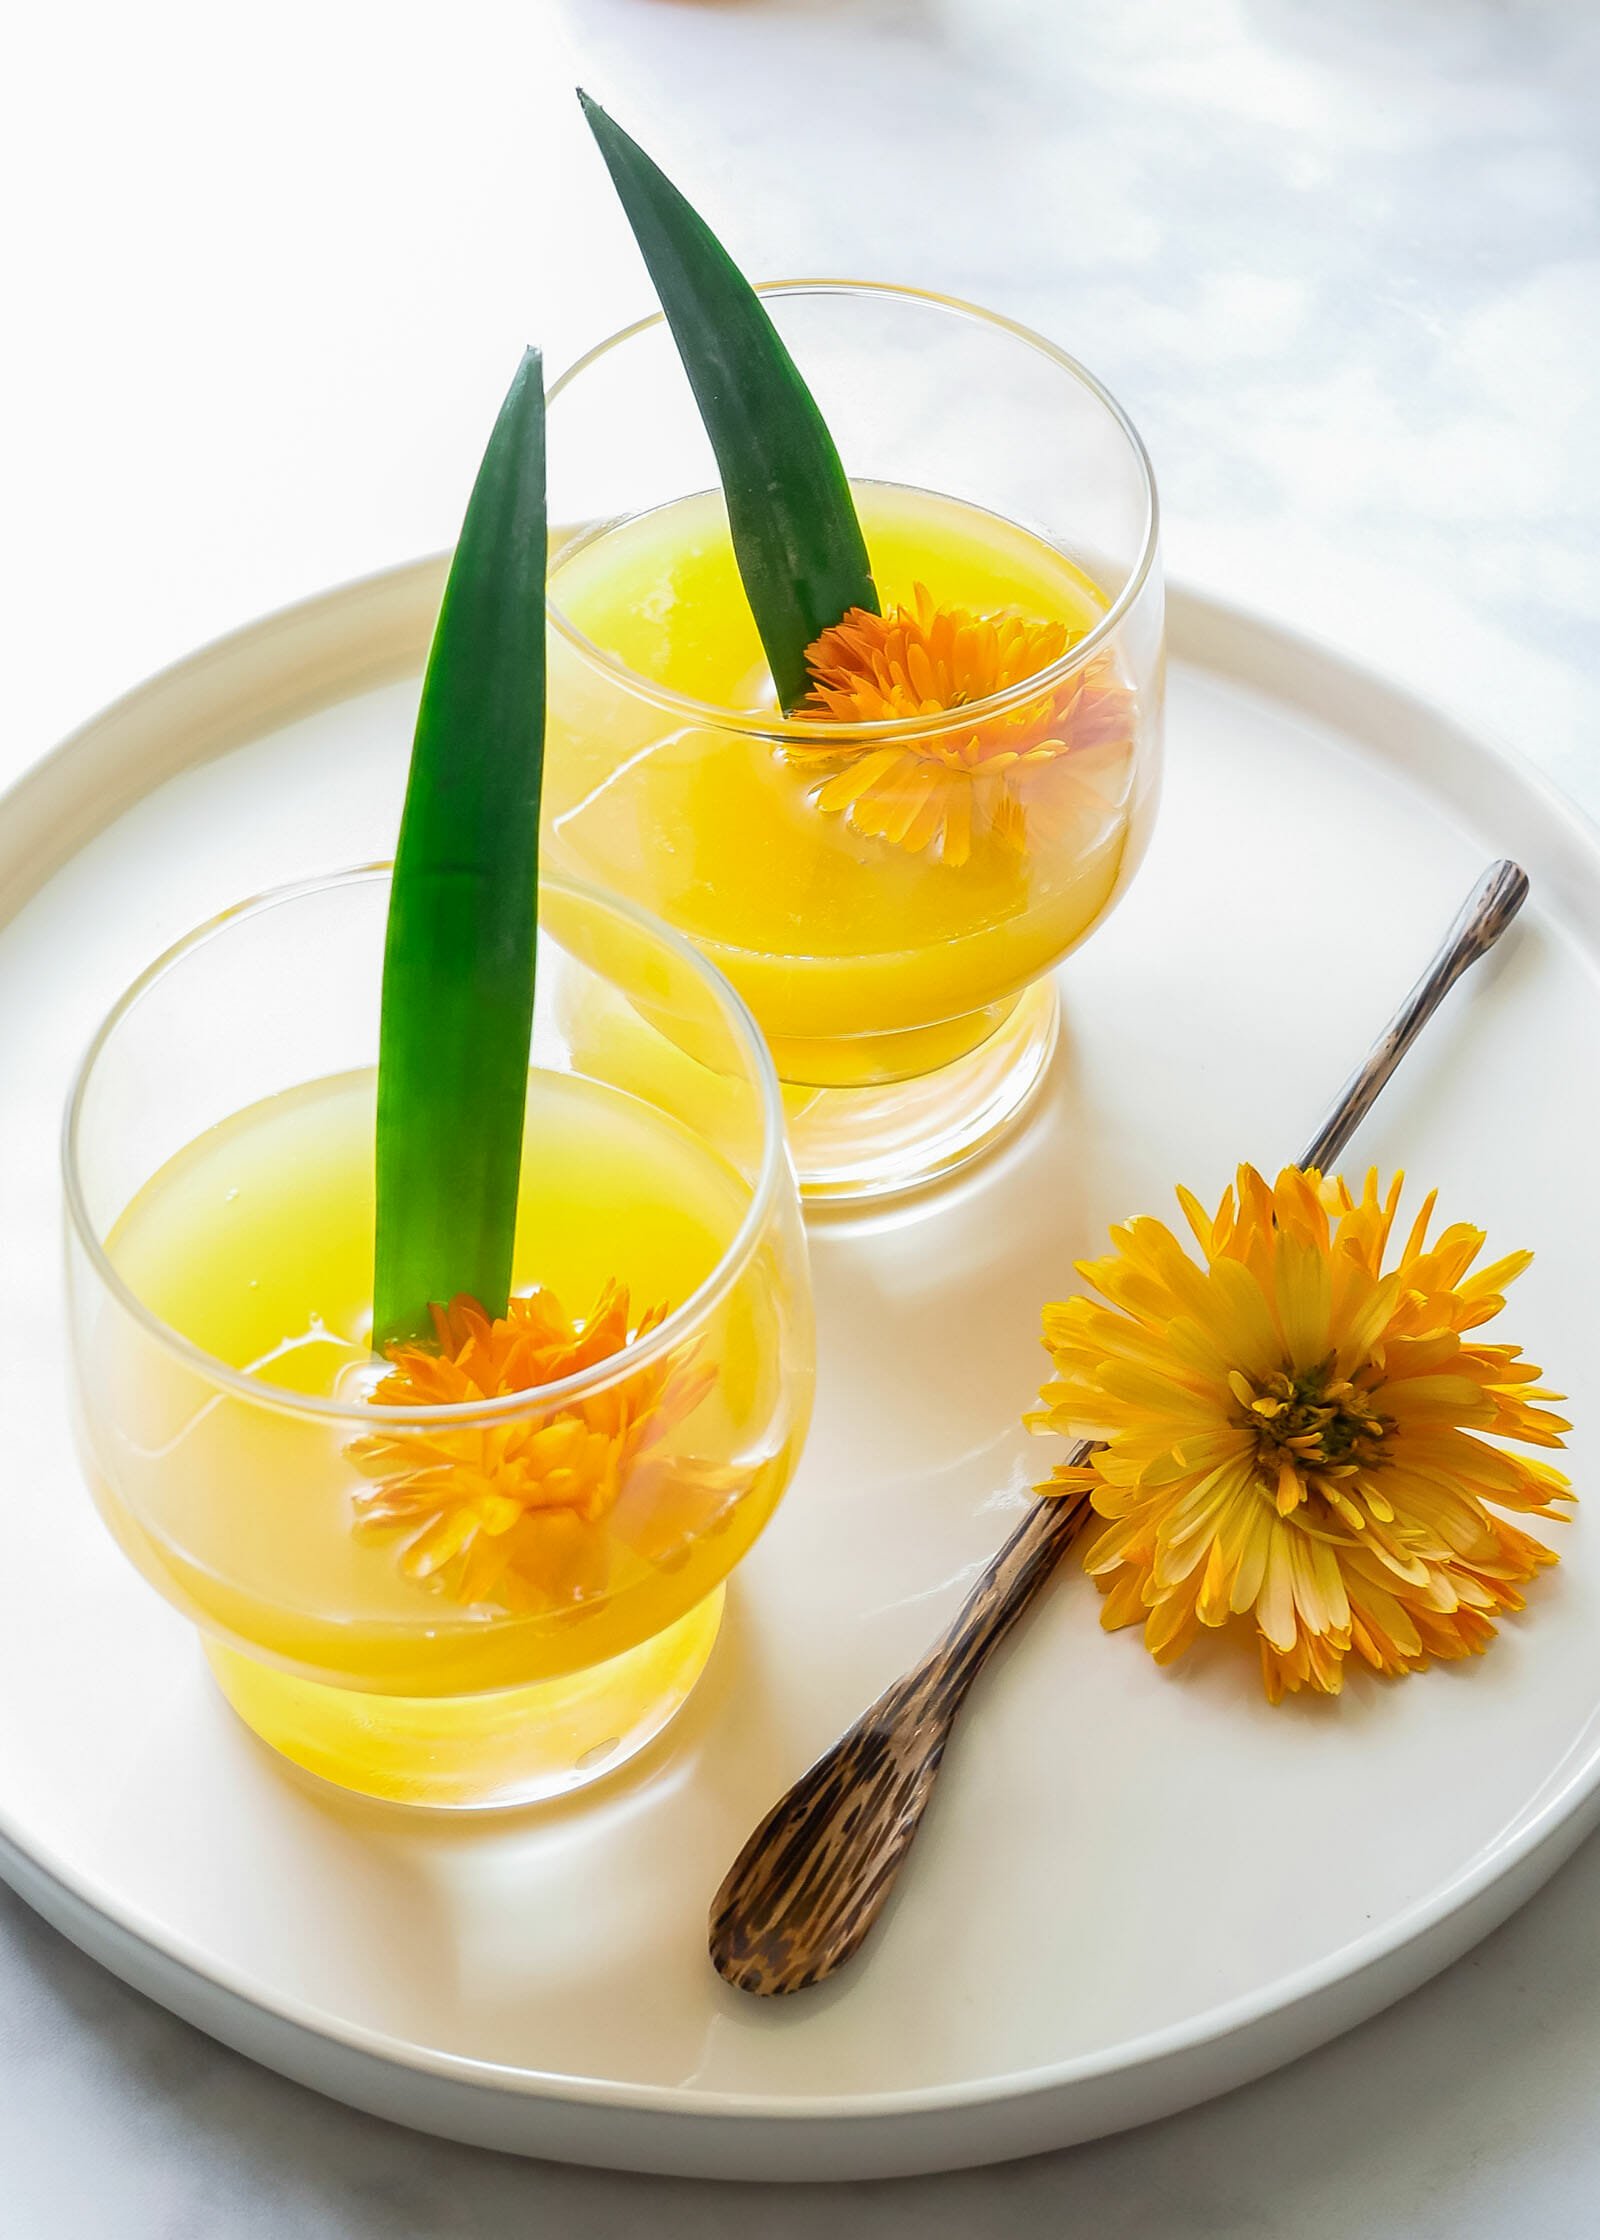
[{"x": 1136, "y": 1889}]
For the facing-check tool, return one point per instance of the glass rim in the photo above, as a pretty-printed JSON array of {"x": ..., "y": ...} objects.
[
  {"x": 579, "y": 1385},
  {"x": 820, "y": 729}
]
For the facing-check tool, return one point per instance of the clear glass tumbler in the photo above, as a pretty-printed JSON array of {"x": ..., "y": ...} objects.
[
  {"x": 416, "y": 1589},
  {"x": 888, "y": 879}
]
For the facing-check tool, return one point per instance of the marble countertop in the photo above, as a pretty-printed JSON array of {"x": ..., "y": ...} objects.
[{"x": 1343, "y": 266}]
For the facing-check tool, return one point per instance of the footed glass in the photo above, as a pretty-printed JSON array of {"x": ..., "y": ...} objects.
[{"x": 889, "y": 880}]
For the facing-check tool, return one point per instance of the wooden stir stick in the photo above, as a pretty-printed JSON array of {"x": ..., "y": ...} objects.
[{"x": 808, "y": 1886}]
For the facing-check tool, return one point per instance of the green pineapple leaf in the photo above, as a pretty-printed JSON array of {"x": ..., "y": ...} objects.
[
  {"x": 801, "y": 554},
  {"x": 458, "y": 968}
]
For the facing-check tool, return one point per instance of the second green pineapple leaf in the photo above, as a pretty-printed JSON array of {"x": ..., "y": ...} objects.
[{"x": 801, "y": 554}]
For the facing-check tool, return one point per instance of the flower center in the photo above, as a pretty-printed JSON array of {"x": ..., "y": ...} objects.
[{"x": 1309, "y": 1427}]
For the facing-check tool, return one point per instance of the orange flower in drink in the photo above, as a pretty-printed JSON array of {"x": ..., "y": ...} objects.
[
  {"x": 1027, "y": 759},
  {"x": 499, "y": 1512},
  {"x": 1299, "y": 1441}
]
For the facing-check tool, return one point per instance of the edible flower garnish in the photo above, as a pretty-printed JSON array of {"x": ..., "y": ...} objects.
[
  {"x": 1297, "y": 1441},
  {"x": 945, "y": 788},
  {"x": 499, "y": 1512}
]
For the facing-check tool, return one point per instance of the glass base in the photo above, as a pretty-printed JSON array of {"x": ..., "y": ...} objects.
[
  {"x": 851, "y": 1144},
  {"x": 475, "y": 1753}
]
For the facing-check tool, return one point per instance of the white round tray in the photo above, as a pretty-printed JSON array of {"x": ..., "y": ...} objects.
[{"x": 1136, "y": 1888}]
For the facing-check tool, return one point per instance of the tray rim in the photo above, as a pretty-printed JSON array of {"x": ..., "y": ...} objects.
[{"x": 357, "y": 635}]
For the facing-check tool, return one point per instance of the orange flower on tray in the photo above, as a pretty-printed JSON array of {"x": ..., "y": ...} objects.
[
  {"x": 944, "y": 789},
  {"x": 501, "y": 1512},
  {"x": 1298, "y": 1440}
]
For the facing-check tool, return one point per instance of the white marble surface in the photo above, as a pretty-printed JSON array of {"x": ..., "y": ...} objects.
[{"x": 1341, "y": 262}]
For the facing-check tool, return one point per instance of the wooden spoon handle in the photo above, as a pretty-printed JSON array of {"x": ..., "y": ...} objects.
[
  {"x": 1004, "y": 1591},
  {"x": 1483, "y": 917}
]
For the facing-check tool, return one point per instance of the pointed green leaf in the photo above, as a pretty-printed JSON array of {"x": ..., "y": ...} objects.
[
  {"x": 798, "y": 543},
  {"x": 459, "y": 960}
]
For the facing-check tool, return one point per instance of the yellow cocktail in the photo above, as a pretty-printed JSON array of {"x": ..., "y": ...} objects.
[
  {"x": 499, "y": 1596},
  {"x": 887, "y": 872}
]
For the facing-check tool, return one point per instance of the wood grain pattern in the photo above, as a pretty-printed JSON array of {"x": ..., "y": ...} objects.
[
  {"x": 810, "y": 1882},
  {"x": 814, "y": 1876}
]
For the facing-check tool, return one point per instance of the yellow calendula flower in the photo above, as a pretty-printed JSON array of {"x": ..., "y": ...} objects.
[
  {"x": 1027, "y": 767},
  {"x": 500, "y": 1513},
  {"x": 1299, "y": 1440}
]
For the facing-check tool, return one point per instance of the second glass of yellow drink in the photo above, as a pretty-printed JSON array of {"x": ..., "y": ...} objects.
[{"x": 889, "y": 873}]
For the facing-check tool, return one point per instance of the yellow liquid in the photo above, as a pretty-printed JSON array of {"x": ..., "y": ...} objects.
[
  {"x": 256, "y": 1244},
  {"x": 862, "y": 961}
]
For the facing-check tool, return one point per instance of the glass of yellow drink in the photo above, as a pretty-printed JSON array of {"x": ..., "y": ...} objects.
[
  {"x": 889, "y": 873},
  {"x": 413, "y": 1577}
]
